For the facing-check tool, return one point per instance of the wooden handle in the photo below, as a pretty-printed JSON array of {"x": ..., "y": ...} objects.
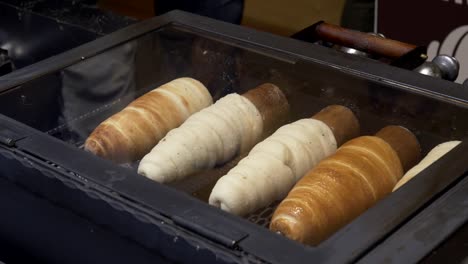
[
  {"x": 362, "y": 41},
  {"x": 341, "y": 120},
  {"x": 272, "y": 104},
  {"x": 405, "y": 144}
]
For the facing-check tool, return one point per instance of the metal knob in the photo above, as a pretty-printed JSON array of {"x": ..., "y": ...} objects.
[
  {"x": 448, "y": 65},
  {"x": 430, "y": 69},
  {"x": 442, "y": 66}
]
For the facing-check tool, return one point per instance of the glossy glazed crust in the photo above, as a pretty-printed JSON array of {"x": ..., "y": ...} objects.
[{"x": 338, "y": 189}]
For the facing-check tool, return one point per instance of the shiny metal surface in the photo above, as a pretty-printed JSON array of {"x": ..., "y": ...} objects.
[
  {"x": 355, "y": 51},
  {"x": 448, "y": 65},
  {"x": 430, "y": 69},
  {"x": 352, "y": 51}
]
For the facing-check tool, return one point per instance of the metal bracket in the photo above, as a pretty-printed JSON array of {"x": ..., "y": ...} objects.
[
  {"x": 222, "y": 233},
  {"x": 11, "y": 131}
]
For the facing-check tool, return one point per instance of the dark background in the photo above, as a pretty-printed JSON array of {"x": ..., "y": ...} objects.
[{"x": 420, "y": 21}]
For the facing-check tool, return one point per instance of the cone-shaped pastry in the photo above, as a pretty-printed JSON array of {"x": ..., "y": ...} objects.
[
  {"x": 131, "y": 133},
  {"x": 273, "y": 166},
  {"x": 215, "y": 135},
  {"x": 339, "y": 188},
  {"x": 433, "y": 155}
]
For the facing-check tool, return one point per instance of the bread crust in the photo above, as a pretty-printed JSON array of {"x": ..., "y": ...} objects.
[
  {"x": 341, "y": 187},
  {"x": 131, "y": 133}
]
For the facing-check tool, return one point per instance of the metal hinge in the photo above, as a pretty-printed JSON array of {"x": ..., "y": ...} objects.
[
  {"x": 11, "y": 131},
  {"x": 7, "y": 141},
  {"x": 210, "y": 227}
]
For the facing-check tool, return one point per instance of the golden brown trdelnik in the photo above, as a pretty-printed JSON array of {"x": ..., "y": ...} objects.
[
  {"x": 131, "y": 133},
  {"x": 341, "y": 187}
]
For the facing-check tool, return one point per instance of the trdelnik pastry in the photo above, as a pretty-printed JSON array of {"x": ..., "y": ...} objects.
[
  {"x": 131, "y": 133},
  {"x": 344, "y": 185},
  {"x": 274, "y": 165},
  {"x": 215, "y": 135}
]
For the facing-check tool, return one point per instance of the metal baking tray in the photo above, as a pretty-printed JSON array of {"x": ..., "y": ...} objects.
[{"x": 49, "y": 108}]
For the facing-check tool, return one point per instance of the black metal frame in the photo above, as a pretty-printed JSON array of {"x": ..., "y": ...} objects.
[
  {"x": 426, "y": 231},
  {"x": 31, "y": 225},
  {"x": 99, "y": 200},
  {"x": 155, "y": 208}
]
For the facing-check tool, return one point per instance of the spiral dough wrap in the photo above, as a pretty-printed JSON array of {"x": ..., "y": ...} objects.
[
  {"x": 273, "y": 167},
  {"x": 210, "y": 137}
]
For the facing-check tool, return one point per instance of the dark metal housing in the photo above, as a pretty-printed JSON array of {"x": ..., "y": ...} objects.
[{"x": 39, "y": 143}]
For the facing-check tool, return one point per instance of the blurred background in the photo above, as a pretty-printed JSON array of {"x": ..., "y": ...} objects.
[
  {"x": 439, "y": 25},
  {"x": 34, "y": 30},
  {"x": 275, "y": 16}
]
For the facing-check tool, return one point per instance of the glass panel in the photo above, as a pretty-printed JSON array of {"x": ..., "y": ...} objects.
[{"x": 70, "y": 103}]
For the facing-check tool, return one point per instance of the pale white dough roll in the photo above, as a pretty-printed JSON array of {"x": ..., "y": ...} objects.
[
  {"x": 431, "y": 157},
  {"x": 212, "y": 136},
  {"x": 273, "y": 167}
]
